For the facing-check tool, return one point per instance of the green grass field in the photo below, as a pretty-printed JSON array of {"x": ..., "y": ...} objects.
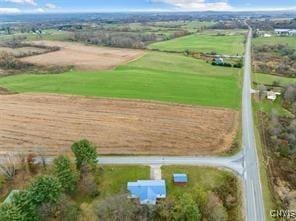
[
  {"x": 156, "y": 76},
  {"x": 163, "y": 26},
  {"x": 113, "y": 179},
  {"x": 291, "y": 41},
  {"x": 206, "y": 179},
  {"x": 269, "y": 79},
  {"x": 225, "y": 31},
  {"x": 269, "y": 107},
  {"x": 230, "y": 45}
]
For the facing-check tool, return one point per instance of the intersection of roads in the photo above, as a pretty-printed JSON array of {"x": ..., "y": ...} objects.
[{"x": 245, "y": 164}]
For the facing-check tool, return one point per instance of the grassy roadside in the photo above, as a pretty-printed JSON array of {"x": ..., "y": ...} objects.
[
  {"x": 290, "y": 41},
  {"x": 267, "y": 194},
  {"x": 269, "y": 79},
  {"x": 237, "y": 141}
]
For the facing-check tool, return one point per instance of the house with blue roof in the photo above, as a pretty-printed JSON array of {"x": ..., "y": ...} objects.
[
  {"x": 147, "y": 191},
  {"x": 10, "y": 196},
  {"x": 180, "y": 178}
]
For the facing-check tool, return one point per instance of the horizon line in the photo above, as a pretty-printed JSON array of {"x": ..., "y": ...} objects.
[{"x": 149, "y": 11}]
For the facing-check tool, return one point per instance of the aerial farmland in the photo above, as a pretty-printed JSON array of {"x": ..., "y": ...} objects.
[
  {"x": 170, "y": 92},
  {"x": 92, "y": 106}
]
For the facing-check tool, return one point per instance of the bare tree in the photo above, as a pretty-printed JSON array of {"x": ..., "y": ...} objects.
[
  {"x": 8, "y": 166},
  {"x": 262, "y": 91},
  {"x": 290, "y": 93}
]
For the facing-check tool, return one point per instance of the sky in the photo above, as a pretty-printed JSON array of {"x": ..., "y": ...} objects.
[{"x": 53, "y": 6}]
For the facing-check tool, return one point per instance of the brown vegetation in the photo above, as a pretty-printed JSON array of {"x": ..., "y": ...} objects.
[
  {"x": 4, "y": 91},
  {"x": 123, "y": 37},
  {"x": 29, "y": 121},
  {"x": 275, "y": 59},
  {"x": 279, "y": 137},
  {"x": 83, "y": 57},
  {"x": 23, "y": 51}
]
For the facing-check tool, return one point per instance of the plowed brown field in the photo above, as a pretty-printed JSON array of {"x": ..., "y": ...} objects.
[
  {"x": 83, "y": 57},
  {"x": 53, "y": 122}
]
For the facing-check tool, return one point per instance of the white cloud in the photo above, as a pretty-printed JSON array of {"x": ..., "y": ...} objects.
[
  {"x": 9, "y": 10},
  {"x": 40, "y": 10},
  {"x": 197, "y": 5},
  {"x": 29, "y": 2},
  {"x": 50, "y": 6}
]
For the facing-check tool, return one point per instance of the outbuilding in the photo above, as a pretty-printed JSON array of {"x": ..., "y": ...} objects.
[
  {"x": 282, "y": 31},
  {"x": 271, "y": 95},
  {"x": 180, "y": 178}
]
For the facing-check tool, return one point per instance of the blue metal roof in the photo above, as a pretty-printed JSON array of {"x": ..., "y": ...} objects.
[
  {"x": 147, "y": 191},
  {"x": 180, "y": 178},
  {"x": 10, "y": 196}
]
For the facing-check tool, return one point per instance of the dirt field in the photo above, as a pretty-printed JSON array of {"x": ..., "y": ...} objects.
[
  {"x": 29, "y": 121},
  {"x": 83, "y": 57}
]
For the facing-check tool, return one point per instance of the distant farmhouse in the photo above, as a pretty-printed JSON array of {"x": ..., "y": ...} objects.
[
  {"x": 147, "y": 191},
  {"x": 285, "y": 32},
  {"x": 271, "y": 95},
  {"x": 265, "y": 35},
  {"x": 218, "y": 61}
]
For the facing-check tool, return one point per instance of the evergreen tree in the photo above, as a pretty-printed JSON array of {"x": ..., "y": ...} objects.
[{"x": 66, "y": 174}]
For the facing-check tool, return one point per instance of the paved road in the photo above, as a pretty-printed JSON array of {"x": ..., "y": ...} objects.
[
  {"x": 234, "y": 163},
  {"x": 244, "y": 164},
  {"x": 253, "y": 191}
]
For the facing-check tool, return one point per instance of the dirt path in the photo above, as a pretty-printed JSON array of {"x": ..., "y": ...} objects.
[{"x": 31, "y": 121}]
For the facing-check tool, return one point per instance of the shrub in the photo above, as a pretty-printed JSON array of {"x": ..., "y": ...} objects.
[
  {"x": 238, "y": 65},
  {"x": 63, "y": 210},
  {"x": 87, "y": 184},
  {"x": 8, "y": 61},
  {"x": 215, "y": 210},
  {"x": 23, "y": 201},
  {"x": 10, "y": 212},
  {"x": 45, "y": 189},
  {"x": 117, "y": 207},
  {"x": 186, "y": 208},
  {"x": 164, "y": 209}
]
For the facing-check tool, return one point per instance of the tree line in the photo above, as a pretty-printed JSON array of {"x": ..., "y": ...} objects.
[
  {"x": 51, "y": 194},
  {"x": 48, "y": 195}
]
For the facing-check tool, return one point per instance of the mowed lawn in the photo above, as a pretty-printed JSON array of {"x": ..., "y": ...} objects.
[
  {"x": 156, "y": 76},
  {"x": 290, "y": 41},
  {"x": 228, "y": 44},
  {"x": 269, "y": 79},
  {"x": 113, "y": 179}
]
